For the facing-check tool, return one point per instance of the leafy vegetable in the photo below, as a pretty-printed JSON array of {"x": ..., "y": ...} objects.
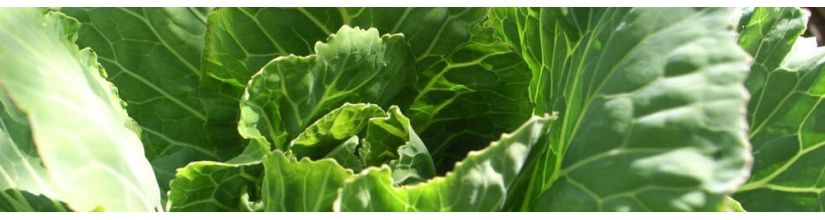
[
  {"x": 154, "y": 58},
  {"x": 63, "y": 132},
  {"x": 787, "y": 83},
  {"x": 304, "y": 185},
  {"x": 410, "y": 109},
  {"x": 650, "y": 104},
  {"x": 478, "y": 183},
  {"x": 353, "y": 66},
  {"x": 455, "y": 77}
]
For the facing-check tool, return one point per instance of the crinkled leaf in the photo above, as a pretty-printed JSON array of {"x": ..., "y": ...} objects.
[
  {"x": 154, "y": 57},
  {"x": 478, "y": 183},
  {"x": 308, "y": 186},
  {"x": 388, "y": 139},
  {"x": 207, "y": 186},
  {"x": 84, "y": 149},
  {"x": 392, "y": 140},
  {"x": 651, "y": 107},
  {"x": 233, "y": 186},
  {"x": 470, "y": 78},
  {"x": 290, "y": 92},
  {"x": 325, "y": 134},
  {"x": 786, "y": 114},
  {"x": 242, "y": 40}
]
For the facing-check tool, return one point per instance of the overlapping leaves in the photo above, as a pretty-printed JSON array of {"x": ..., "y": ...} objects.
[
  {"x": 314, "y": 154},
  {"x": 153, "y": 56},
  {"x": 290, "y": 92},
  {"x": 460, "y": 70},
  {"x": 650, "y": 107},
  {"x": 787, "y": 83},
  {"x": 65, "y": 140},
  {"x": 650, "y": 104}
]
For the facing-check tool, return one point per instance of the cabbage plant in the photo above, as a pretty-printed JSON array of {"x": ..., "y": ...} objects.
[{"x": 410, "y": 109}]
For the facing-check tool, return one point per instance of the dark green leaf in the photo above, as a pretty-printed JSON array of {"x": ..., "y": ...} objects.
[
  {"x": 392, "y": 140},
  {"x": 650, "y": 104},
  {"x": 154, "y": 58},
  {"x": 787, "y": 83},
  {"x": 468, "y": 97},
  {"x": 12, "y": 200},
  {"x": 471, "y": 79},
  {"x": 346, "y": 154},
  {"x": 242, "y": 40}
]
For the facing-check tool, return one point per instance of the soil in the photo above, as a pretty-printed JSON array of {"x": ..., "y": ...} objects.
[{"x": 816, "y": 25}]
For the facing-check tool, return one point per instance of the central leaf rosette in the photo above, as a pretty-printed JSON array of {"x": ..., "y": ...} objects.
[{"x": 313, "y": 122}]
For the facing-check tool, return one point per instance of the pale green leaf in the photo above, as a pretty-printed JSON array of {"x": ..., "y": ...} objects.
[
  {"x": 88, "y": 152},
  {"x": 207, "y": 186},
  {"x": 308, "y": 186},
  {"x": 23, "y": 176},
  {"x": 291, "y": 92},
  {"x": 234, "y": 185},
  {"x": 731, "y": 205},
  {"x": 388, "y": 139},
  {"x": 325, "y": 134}
]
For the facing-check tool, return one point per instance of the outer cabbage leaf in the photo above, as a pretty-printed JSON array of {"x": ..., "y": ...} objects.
[
  {"x": 651, "y": 107},
  {"x": 787, "y": 83},
  {"x": 478, "y": 183},
  {"x": 20, "y": 165},
  {"x": 65, "y": 134},
  {"x": 154, "y": 57},
  {"x": 291, "y": 92}
]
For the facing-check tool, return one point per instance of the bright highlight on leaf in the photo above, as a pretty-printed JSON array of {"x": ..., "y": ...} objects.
[
  {"x": 650, "y": 101},
  {"x": 410, "y": 109},
  {"x": 64, "y": 134}
]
